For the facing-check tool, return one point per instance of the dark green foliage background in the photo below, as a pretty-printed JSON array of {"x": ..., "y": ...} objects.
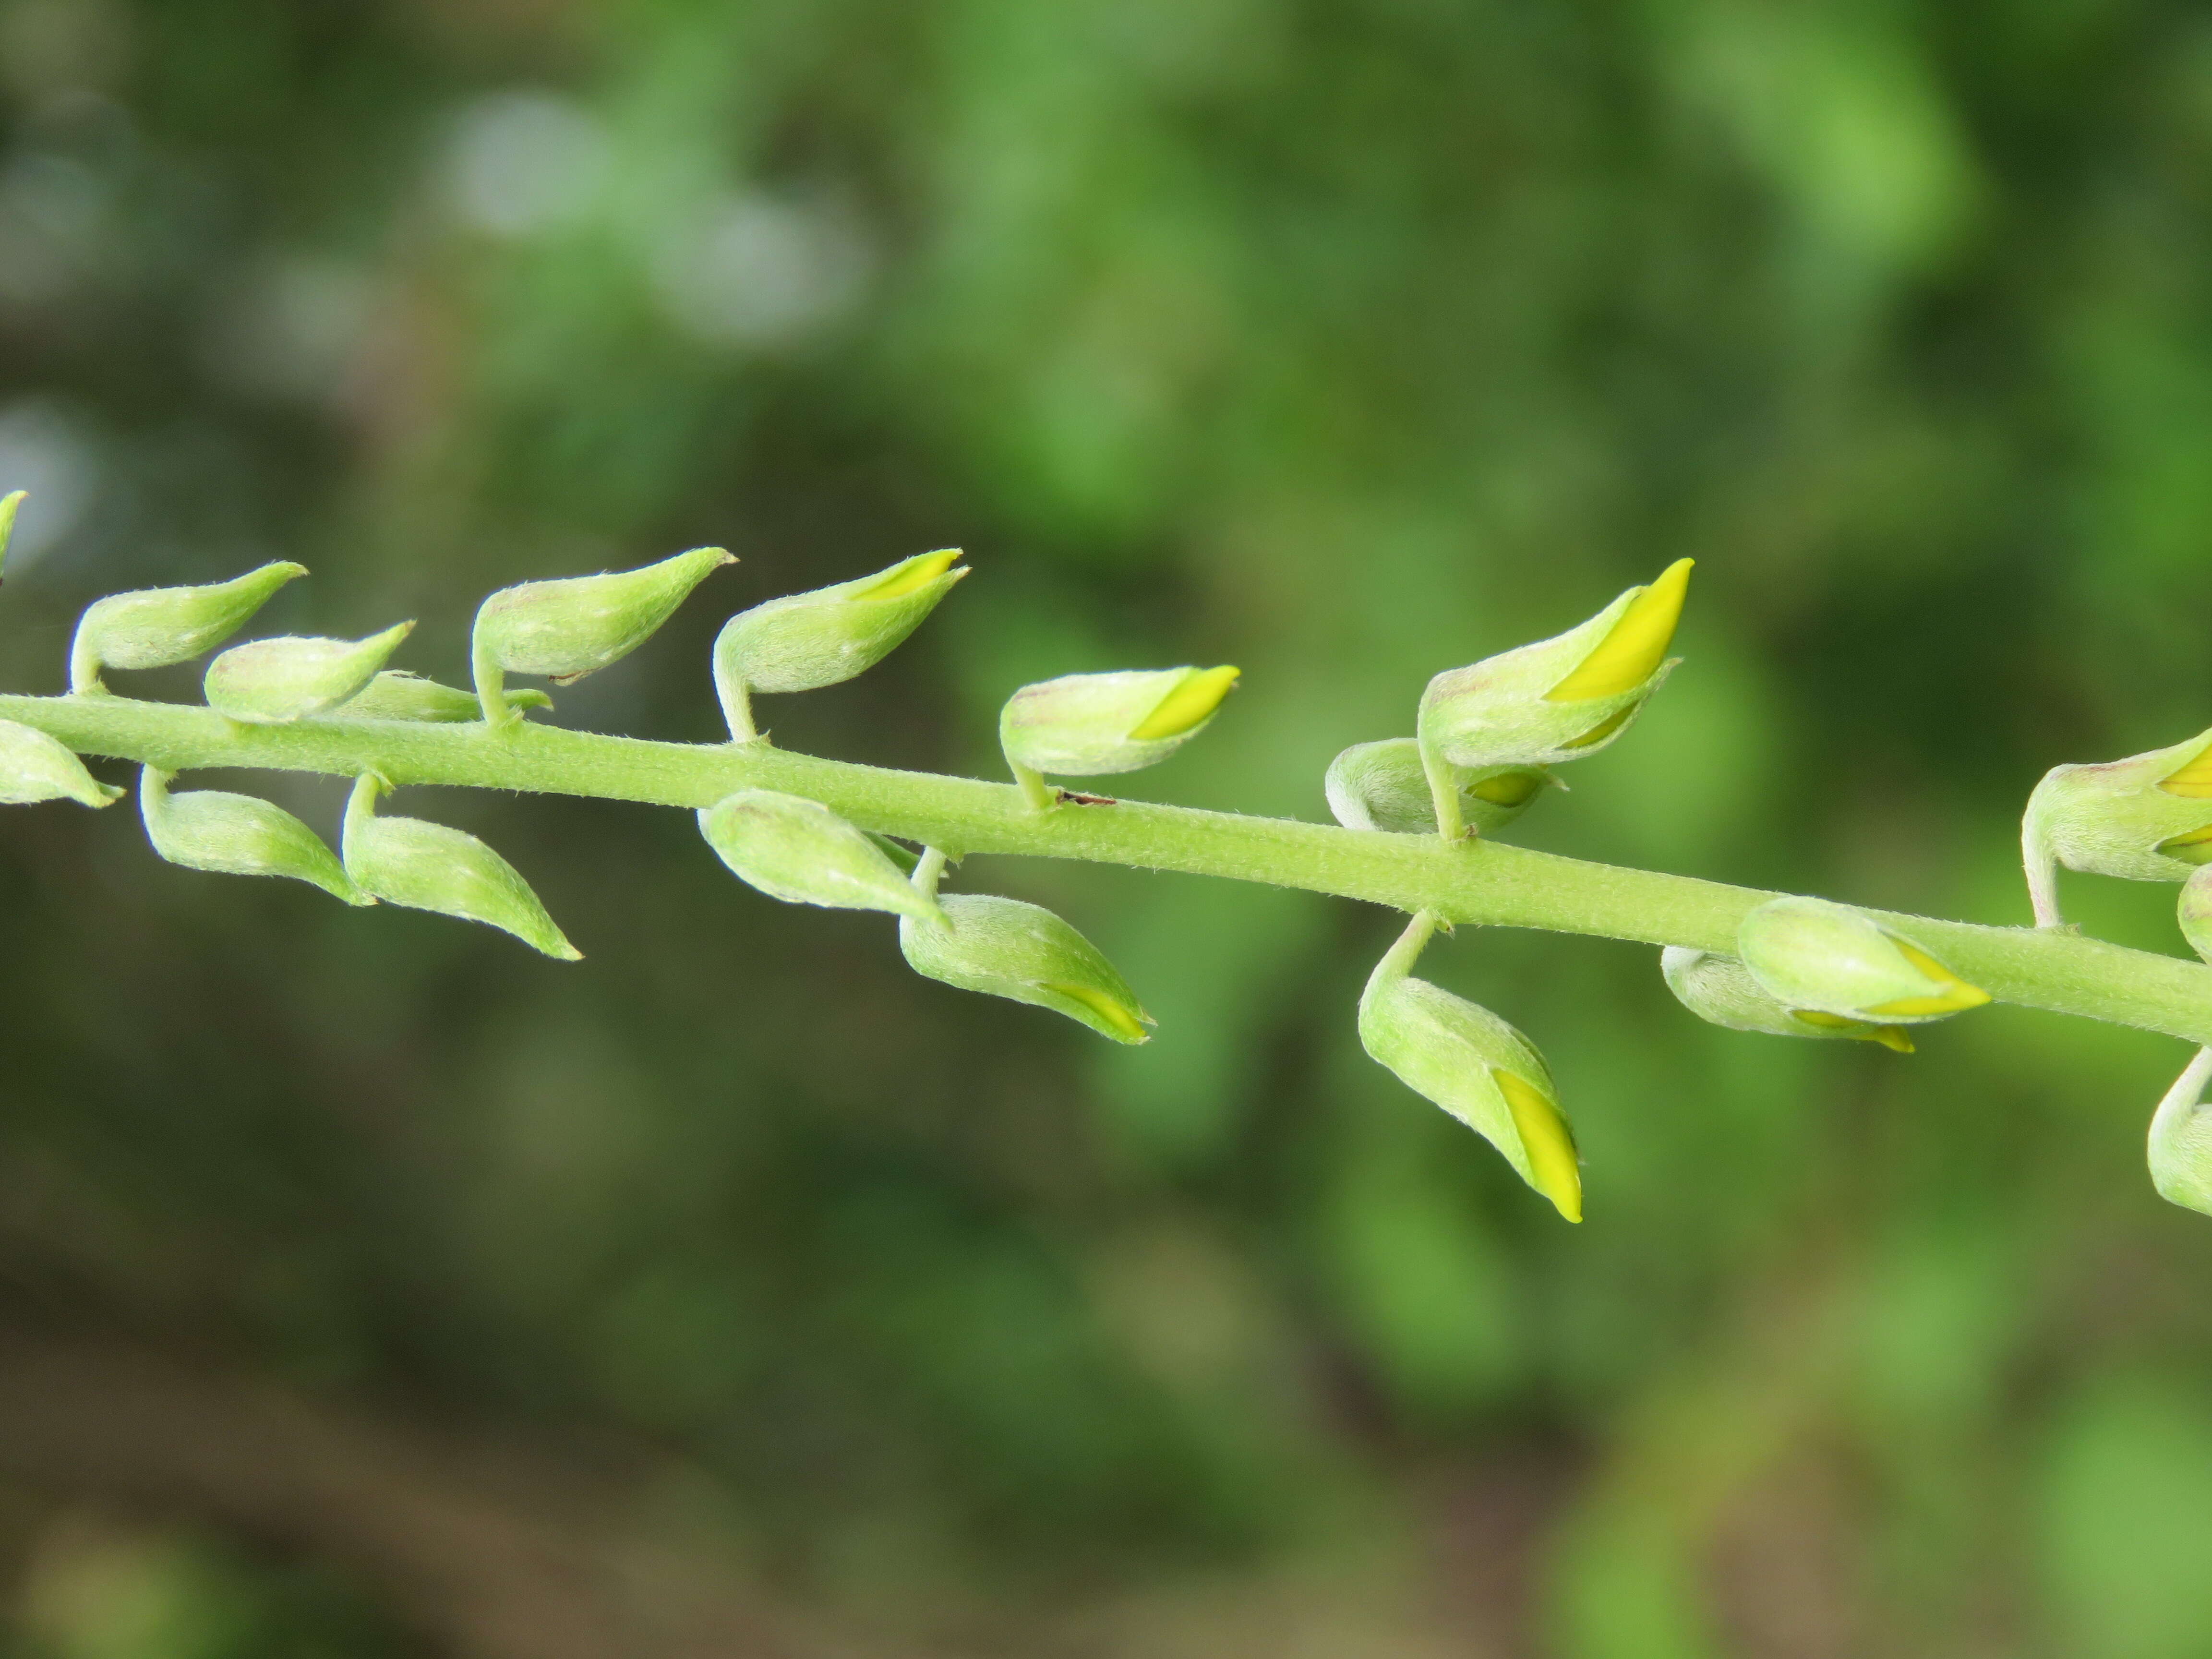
[{"x": 1346, "y": 340}]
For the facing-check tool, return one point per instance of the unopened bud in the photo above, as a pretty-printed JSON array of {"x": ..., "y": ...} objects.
[
  {"x": 1474, "y": 1066},
  {"x": 34, "y": 767},
  {"x": 567, "y": 629},
  {"x": 273, "y": 682},
  {"x": 2181, "y": 1140},
  {"x": 799, "y": 851},
  {"x": 2147, "y": 818},
  {"x": 1809, "y": 954},
  {"x": 1004, "y": 948},
  {"x": 421, "y": 866},
  {"x": 397, "y": 695},
  {"x": 1086, "y": 726},
  {"x": 1720, "y": 989},
  {"x": 1384, "y": 785},
  {"x": 808, "y": 640},
  {"x": 2194, "y": 911},
  {"x": 238, "y": 836},
  {"x": 164, "y": 625},
  {"x": 1561, "y": 698}
]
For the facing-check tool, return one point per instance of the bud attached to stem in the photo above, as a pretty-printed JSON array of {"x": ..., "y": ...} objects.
[
  {"x": 8, "y": 504},
  {"x": 160, "y": 626},
  {"x": 808, "y": 640},
  {"x": 2181, "y": 1140},
  {"x": 1720, "y": 989},
  {"x": 238, "y": 836},
  {"x": 275, "y": 681},
  {"x": 567, "y": 629},
  {"x": 799, "y": 851},
  {"x": 1557, "y": 700},
  {"x": 1474, "y": 1066},
  {"x": 36, "y": 767},
  {"x": 1004, "y": 948},
  {"x": 398, "y": 695},
  {"x": 421, "y": 866},
  {"x": 2147, "y": 818},
  {"x": 1384, "y": 785},
  {"x": 1086, "y": 726},
  {"x": 1812, "y": 955}
]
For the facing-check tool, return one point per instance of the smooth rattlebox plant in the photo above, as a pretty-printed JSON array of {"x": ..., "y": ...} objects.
[
  {"x": 810, "y": 641},
  {"x": 814, "y": 831},
  {"x": 1384, "y": 785},
  {"x": 271, "y": 681},
  {"x": 163, "y": 626},
  {"x": 1091, "y": 725},
  {"x": 1720, "y": 990}
]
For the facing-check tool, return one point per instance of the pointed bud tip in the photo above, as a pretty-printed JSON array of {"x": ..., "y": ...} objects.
[
  {"x": 914, "y": 575},
  {"x": 1189, "y": 705},
  {"x": 1633, "y": 651}
]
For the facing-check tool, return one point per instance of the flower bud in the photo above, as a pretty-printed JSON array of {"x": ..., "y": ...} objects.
[
  {"x": 2194, "y": 912},
  {"x": 1720, "y": 989},
  {"x": 1561, "y": 698},
  {"x": 34, "y": 767},
  {"x": 165, "y": 625},
  {"x": 2145, "y": 819},
  {"x": 1088, "y": 725},
  {"x": 273, "y": 682},
  {"x": 238, "y": 836},
  {"x": 1384, "y": 786},
  {"x": 567, "y": 629},
  {"x": 1474, "y": 1066},
  {"x": 2181, "y": 1140},
  {"x": 808, "y": 640},
  {"x": 799, "y": 851},
  {"x": 397, "y": 695},
  {"x": 1004, "y": 948},
  {"x": 1813, "y": 956},
  {"x": 431, "y": 866}
]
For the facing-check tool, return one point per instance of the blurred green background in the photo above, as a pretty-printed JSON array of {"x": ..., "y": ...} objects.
[{"x": 369, "y": 1286}]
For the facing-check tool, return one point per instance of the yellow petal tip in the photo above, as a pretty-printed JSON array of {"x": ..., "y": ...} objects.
[
  {"x": 914, "y": 574},
  {"x": 1553, "y": 1168},
  {"x": 1632, "y": 650},
  {"x": 1190, "y": 704}
]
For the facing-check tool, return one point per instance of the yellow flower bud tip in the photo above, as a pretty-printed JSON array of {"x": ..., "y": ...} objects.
[
  {"x": 1606, "y": 727},
  {"x": 2193, "y": 846},
  {"x": 1545, "y": 1139},
  {"x": 1890, "y": 1037},
  {"x": 1632, "y": 650},
  {"x": 1513, "y": 787},
  {"x": 1126, "y": 1025},
  {"x": 1190, "y": 706},
  {"x": 9, "y": 503},
  {"x": 913, "y": 576},
  {"x": 1952, "y": 995},
  {"x": 2192, "y": 780}
]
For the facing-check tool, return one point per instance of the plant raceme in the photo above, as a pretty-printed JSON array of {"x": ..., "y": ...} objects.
[{"x": 1419, "y": 816}]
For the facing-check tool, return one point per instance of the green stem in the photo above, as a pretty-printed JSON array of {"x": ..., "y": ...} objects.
[{"x": 1483, "y": 883}]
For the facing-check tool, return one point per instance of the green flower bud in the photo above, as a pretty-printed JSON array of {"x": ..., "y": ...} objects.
[
  {"x": 165, "y": 625},
  {"x": 1561, "y": 698},
  {"x": 1384, "y": 786},
  {"x": 825, "y": 637},
  {"x": 2181, "y": 1140},
  {"x": 799, "y": 851},
  {"x": 9, "y": 503},
  {"x": 34, "y": 767},
  {"x": 397, "y": 695},
  {"x": 1811, "y": 955},
  {"x": 1004, "y": 948},
  {"x": 568, "y": 628},
  {"x": 238, "y": 836},
  {"x": 431, "y": 866},
  {"x": 1720, "y": 989},
  {"x": 2194, "y": 912},
  {"x": 273, "y": 682},
  {"x": 2145, "y": 819},
  {"x": 1085, "y": 726},
  {"x": 1474, "y": 1066}
]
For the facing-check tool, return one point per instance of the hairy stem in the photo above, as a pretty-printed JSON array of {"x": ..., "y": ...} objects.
[{"x": 1481, "y": 883}]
